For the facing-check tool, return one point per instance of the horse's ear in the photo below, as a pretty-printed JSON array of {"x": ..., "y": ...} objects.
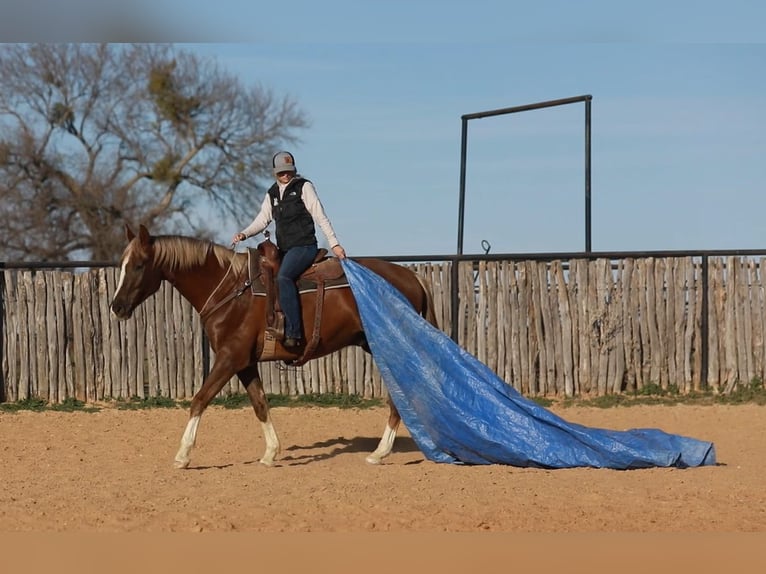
[
  {"x": 143, "y": 234},
  {"x": 129, "y": 233}
]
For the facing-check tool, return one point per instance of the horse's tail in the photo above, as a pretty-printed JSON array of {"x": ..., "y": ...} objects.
[{"x": 428, "y": 309}]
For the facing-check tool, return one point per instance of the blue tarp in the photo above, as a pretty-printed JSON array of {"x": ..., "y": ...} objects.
[{"x": 458, "y": 410}]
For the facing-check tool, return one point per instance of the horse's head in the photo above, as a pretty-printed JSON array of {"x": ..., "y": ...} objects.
[{"x": 139, "y": 278}]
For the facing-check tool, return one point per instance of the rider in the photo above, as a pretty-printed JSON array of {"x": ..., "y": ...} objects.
[{"x": 293, "y": 204}]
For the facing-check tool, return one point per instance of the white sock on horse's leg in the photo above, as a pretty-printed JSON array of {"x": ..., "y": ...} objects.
[
  {"x": 187, "y": 442},
  {"x": 385, "y": 446},
  {"x": 272, "y": 442}
]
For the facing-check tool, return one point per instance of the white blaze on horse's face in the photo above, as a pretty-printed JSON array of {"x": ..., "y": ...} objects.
[
  {"x": 138, "y": 280},
  {"x": 119, "y": 307},
  {"x": 122, "y": 275}
]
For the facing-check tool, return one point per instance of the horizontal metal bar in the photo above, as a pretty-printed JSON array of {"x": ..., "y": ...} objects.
[
  {"x": 527, "y": 107},
  {"x": 591, "y": 255},
  {"x": 550, "y": 256},
  {"x": 56, "y": 264}
]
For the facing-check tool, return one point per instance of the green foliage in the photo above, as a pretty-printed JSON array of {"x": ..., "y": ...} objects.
[
  {"x": 610, "y": 401},
  {"x": 236, "y": 401},
  {"x": 340, "y": 400},
  {"x": 164, "y": 170},
  {"x": 752, "y": 392},
  {"x": 25, "y": 405},
  {"x": 71, "y": 404},
  {"x": 655, "y": 390},
  {"x": 652, "y": 394},
  {"x": 136, "y": 403},
  {"x": 542, "y": 401},
  {"x": 39, "y": 405},
  {"x": 171, "y": 104},
  {"x": 63, "y": 116},
  {"x": 280, "y": 400}
]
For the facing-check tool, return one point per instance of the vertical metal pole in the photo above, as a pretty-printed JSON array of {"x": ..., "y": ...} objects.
[
  {"x": 455, "y": 296},
  {"x": 587, "y": 178},
  {"x": 461, "y": 203}
]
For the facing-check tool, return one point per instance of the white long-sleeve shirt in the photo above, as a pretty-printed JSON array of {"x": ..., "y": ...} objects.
[{"x": 313, "y": 205}]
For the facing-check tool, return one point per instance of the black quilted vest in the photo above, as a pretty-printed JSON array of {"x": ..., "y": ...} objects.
[{"x": 295, "y": 226}]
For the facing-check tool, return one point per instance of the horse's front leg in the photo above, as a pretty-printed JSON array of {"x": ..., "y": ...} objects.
[
  {"x": 386, "y": 444},
  {"x": 219, "y": 375},
  {"x": 251, "y": 380},
  {"x": 183, "y": 456}
]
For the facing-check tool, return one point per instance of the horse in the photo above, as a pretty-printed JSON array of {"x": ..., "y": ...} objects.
[{"x": 214, "y": 279}]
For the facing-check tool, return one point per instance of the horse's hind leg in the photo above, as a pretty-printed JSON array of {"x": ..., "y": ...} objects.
[
  {"x": 386, "y": 443},
  {"x": 251, "y": 380}
]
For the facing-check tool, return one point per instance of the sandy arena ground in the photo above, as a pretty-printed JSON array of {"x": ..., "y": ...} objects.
[{"x": 111, "y": 471}]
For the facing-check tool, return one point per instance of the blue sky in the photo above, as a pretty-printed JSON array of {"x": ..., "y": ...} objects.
[
  {"x": 678, "y": 142},
  {"x": 678, "y": 114}
]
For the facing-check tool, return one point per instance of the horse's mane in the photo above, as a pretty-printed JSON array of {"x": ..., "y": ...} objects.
[{"x": 177, "y": 252}]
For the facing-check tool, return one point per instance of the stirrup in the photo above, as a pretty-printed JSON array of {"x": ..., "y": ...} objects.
[{"x": 277, "y": 330}]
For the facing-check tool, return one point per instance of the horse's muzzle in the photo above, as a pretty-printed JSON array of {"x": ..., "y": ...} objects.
[{"x": 121, "y": 311}]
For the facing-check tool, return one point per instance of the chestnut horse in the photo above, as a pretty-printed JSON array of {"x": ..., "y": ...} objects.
[{"x": 214, "y": 279}]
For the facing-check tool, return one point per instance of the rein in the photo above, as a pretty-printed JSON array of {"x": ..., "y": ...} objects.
[{"x": 205, "y": 312}]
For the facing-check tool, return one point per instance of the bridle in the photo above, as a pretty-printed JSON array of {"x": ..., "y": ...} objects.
[{"x": 205, "y": 312}]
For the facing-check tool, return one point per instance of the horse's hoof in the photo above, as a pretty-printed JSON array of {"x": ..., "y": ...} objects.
[
  {"x": 372, "y": 459},
  {"x": 266, "y": 462},
  {"x": 181, "y": 463}
]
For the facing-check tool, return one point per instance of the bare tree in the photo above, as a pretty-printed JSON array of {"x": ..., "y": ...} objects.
[{"x": 94, "y": 136}]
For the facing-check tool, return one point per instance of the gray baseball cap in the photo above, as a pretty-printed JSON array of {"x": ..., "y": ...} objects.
[{"x": 283, "y": 161}]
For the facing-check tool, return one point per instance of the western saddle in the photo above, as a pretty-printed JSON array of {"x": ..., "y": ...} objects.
[{"x": 263, "y": 264}]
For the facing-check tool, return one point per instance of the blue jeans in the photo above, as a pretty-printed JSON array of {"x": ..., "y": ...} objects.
[{"x": 294, "y": 262}]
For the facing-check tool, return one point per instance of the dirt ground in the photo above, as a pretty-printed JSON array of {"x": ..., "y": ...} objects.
[{"x": 111, "y": 471}]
